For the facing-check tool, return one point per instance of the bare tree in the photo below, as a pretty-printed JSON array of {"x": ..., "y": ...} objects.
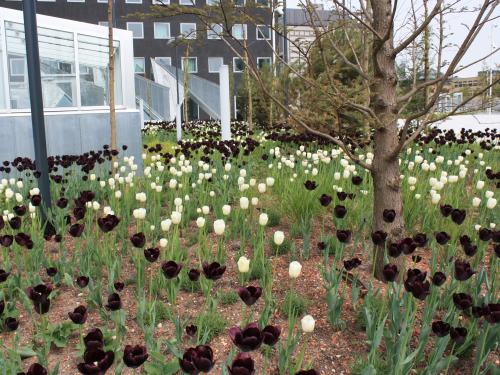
[
  {"x": 111, "y": 78},
  {"x": 380, "y": 104}
]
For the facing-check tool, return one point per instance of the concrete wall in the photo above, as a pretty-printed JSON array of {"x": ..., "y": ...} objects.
[{"x": 70, "y": 133}]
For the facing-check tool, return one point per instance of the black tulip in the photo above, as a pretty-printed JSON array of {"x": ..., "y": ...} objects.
[
  {"x": 356, "y": 180},
  {"x": 458, "y": 216},
  {"x": 119, "y": 286},
  {"x": 11, "y": 324},
  {"x": 39, "y": 295},
  {"x": 246, "y": 339},
  {"x": 2, "y": 306},
  {"x": 36, "y": 200},
  {"x": 485, "y": 234},
  {"x": 390, "y": 272},
  {"x": 76, "y": 230},
  {"x": 15, "y": 222},
  {"x": 271, "y": 335},
  {"x": 191, "y": 330},
  {"x": 196, "y": 360},
  {"x": 194, "y": 274},
  {"x": 36, "y": 369},
  {"x": 438, "y": 278},
  {"x": 82, "y": 281},
  {"x": 342, "y": 195},
  {"x": 343, "y": 235},
  {"x": 340, "y": 211},
  {"x": 325, "y": 200},
  {"x": 446, "y": 210},
  {"x": 394, "y": 250},
  {"x": 135, "y": 356},
  {"x": 250, "y": 294},
  {"x": 79, "y": 315},
  {"x": 310, "y": 185},
  {"x": 151, "y": 254},
  {"x": 440, "y": 328},
  {"x": 462, "y": 301},
  {"x": 138, "y": 240},
  {"x": 94, "y": 339},
  {"x": 458, "y": 334},
  {"x": 114, "y": 302},
  {"x": 3, "y": 275},
  {"x": 19, "y": 210},
  {"x": 213, "y": 271},
  {"x": 96, "y": 361},
  {"x": 62, "y": 202},
  {"x": 493, "y": 313},
  {"x": 379, "y": 237},
  {"x": 463, "y": 270},
  {"x": 242, "y": 364},
  {"x": 442, "y": 238},
  {"x": 469, "y": 249},
  {"x": 420, "y": 239},
  {"x": 51, "y": 271},
  {"x": 171, "y": 269},
  {"x": 308, "y": 372},
  {"x": 351, "y": 264},
  {"x": 6, "y": 240},
  {"x": 407, "y": 245},
  {"x": 108, "y": 223}
]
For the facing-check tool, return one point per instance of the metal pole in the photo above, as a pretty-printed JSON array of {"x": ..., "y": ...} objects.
[
  {"x": 36, "y": 101},
  {"x": 285, "y": 53},
  {"x": 178, "y": 108}
]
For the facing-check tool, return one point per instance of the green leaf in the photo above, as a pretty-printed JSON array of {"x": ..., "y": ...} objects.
[{"x": 25, "y": 352}]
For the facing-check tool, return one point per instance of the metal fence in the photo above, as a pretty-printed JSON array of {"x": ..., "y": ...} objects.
[{"x": 155, "y": 98}]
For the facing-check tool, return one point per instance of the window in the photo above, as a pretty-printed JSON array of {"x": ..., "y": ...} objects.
[
  {"x": 214, "y": 31},
  {"x": 17, "y": 67},
  {"x": 103, "y": 23},
  {"x": 214, "y": 64},
  {"x": 263, "y": 32},
  {"x": 212, "y": 2},
  {"x": 263, "y": 62},
  {"x": 238, "y": 65},
  {"x": 188, "y": 30},
  {"x": 239, "y": 31},
  {"x": 262, "y": 3},
  {"x": 187, "y": 2},
  {"x": 102, "y": 1},
  {"x": 160, "y": 2},
  {"x": 239, "y": 3},
  {"x": 76, "y": 1},
  {"x": 192, "y": 64},
  {"x": 137, "y": 29},
  {"x": 133, "y": 1},
  {"x": 139, "y": 65},
  {"x": 164, "y": 60},
  {"x": 162, "y": 30}
]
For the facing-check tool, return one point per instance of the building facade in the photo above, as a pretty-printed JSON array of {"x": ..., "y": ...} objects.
[{"x": 153, "y": 37}]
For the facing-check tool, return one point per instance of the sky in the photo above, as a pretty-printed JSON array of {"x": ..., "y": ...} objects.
[{"x": 455, "y": 29}]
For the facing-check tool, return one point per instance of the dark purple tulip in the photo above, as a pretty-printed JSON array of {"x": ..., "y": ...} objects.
[
  {"x": 171, "y": 269},
  {"x": 108, "y": 223},
  {"x": 340, "y": 211},
  {"x": 3, "y": 275},
  {"x": 15, "y": 222},
  {"x": 250, "y": 294},
  {"x": 24, "y": 240},
  {"x": 246, "y": 339},
  {"x": 196, "y": 360},
  {"x": 194, "y": 274},
  {"x": 96, "y": 361},
  {"x": 114, "y": 302},
  {"x": 420, "y": 239},
  {"x": 351, "y": 264},
  {"x": 485, "y": 234},
  {"x": 407, "y": 245},
  {"x": 242, "y": 364},
  {"x": 82, "y": 281},
  {"x": 479, "y": 311},
  {"x": 271, "y": 335},
  {"x": 394, "y": 250},
  {"x": 76, "y": 230},
  {"x": 62, "y": 202},
  {"x": 416, "y": 258},
  {"x": 151, "y": 254},
  {"x": 2, "y": 223},
  {"x": 6, "y": 240},
  {"x": 462, "y": 301},
  {"x": 308, "y": 372},
  {"x": 416, "y": 284},
  {"x": 442, "y": 238},
  {"x": 440, "y": 328},
  {"x": 39, "y": 295},
  {"x": 310, "y": 185},
  {"x": 36, "y": 200},
  {"x": 458, "y": 334},
  {"x": 458, "y": 216},
  {"x": 356, "y": 180},
  {"x": 469, "y": 249},
  {"x": 213, "y": 271},
  {"x": 341, "y": 195},
  {"x": 19, "y": 210},
  {"x": 464, "y": 239},
  {"x": 390, "y": 272},
  {"x": 495, "y": 236},
  {"x": 463, "y": 270},
  {"x": 79, "y": 212},
  {"x": 36, "y": 369},
  {"x": 446, "y": 210},
  {"x": 138, "y": 240},
  {"x": 497, "y": 250},
  {"x": 325, "y": 200},
  {"x": 79, "y": 315},
  {"x": 11, "y": 324},
  {"x": 389, "y": 215},
  {"x": 493, "y": 313},
  {"x": 191, "y": 330},
  {"x": 94, "y": 339},
  {"x": 135, "y": 356},
  {"x": 379, "y": 237},
  {"x": 322, "y": 245},
  {"x": 51, "y": 271},
  {"x": 438, "y": 278},
  {"x": 2, "y": 306},
  {"x": 118, "y": 285},
  {"x": 343, "y": 235}
]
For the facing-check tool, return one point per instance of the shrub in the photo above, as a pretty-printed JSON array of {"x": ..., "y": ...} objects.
[{"x": 294, "y": 304}]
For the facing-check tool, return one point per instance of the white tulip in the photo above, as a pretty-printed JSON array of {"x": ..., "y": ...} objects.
[
  {"x": 294, "y": 269},
  {"x": 141, "y": 197},
  {"x": 163, "y": 242},
  {"x": 263, "y": 219},
  {"x": 176, "y": 217},
  {"x": 118, "y": 194},
  {"x": 476, "y": 201},
  {"x": 491, "y": 203},
  {"x": 219, "y": 227},
  {"x": 279, "y": 237},
  {"x": 270, "y": 181},
  {"x": 243, "y": 264},
  {"x": 480, "y": 185},
  {"x": 255, "y": 201},
  {"x": 262, "y": 188},
  {"x": 139, "y": 213},
  {"x": 244, "y": 203},
  {"x": 307, "y": 323},
  {"x": 205, "y": 210},
  {"x": 489, "y": 194},
  {"x": 165, "y": 225},
  {"x": 200, "y": 222},
  {"x": 226, "y": 210},
  {"x": 435, "y": 198}
]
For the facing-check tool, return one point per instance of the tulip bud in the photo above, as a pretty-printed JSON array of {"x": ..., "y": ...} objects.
[
  {"x": 165, "y": 225},
  {"x": 491, "y": 203},
  {"x": 476, "y": 202},
  {"x": 226, "y": 209},
  {"x": 243, "y": 264},
  {"x": 263, "y": 219},
  {"x": 294, "y": 269},
  {"x": 200, "y": 222},
  {"x": 163, "y": 242},
  {"x": 307, "y": 323},
  {"x": 279, "y": 237},
  {"x": 219, "y": 227},
  {"x": 244, "y": 203}
]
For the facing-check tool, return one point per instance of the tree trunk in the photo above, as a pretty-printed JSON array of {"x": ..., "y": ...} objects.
[
  {"x": 385, "y": 172},
  {"x": 111, "y": 81}
]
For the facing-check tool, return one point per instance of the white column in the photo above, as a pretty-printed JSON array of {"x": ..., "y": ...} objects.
[{"x": 225, "y": 103}]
